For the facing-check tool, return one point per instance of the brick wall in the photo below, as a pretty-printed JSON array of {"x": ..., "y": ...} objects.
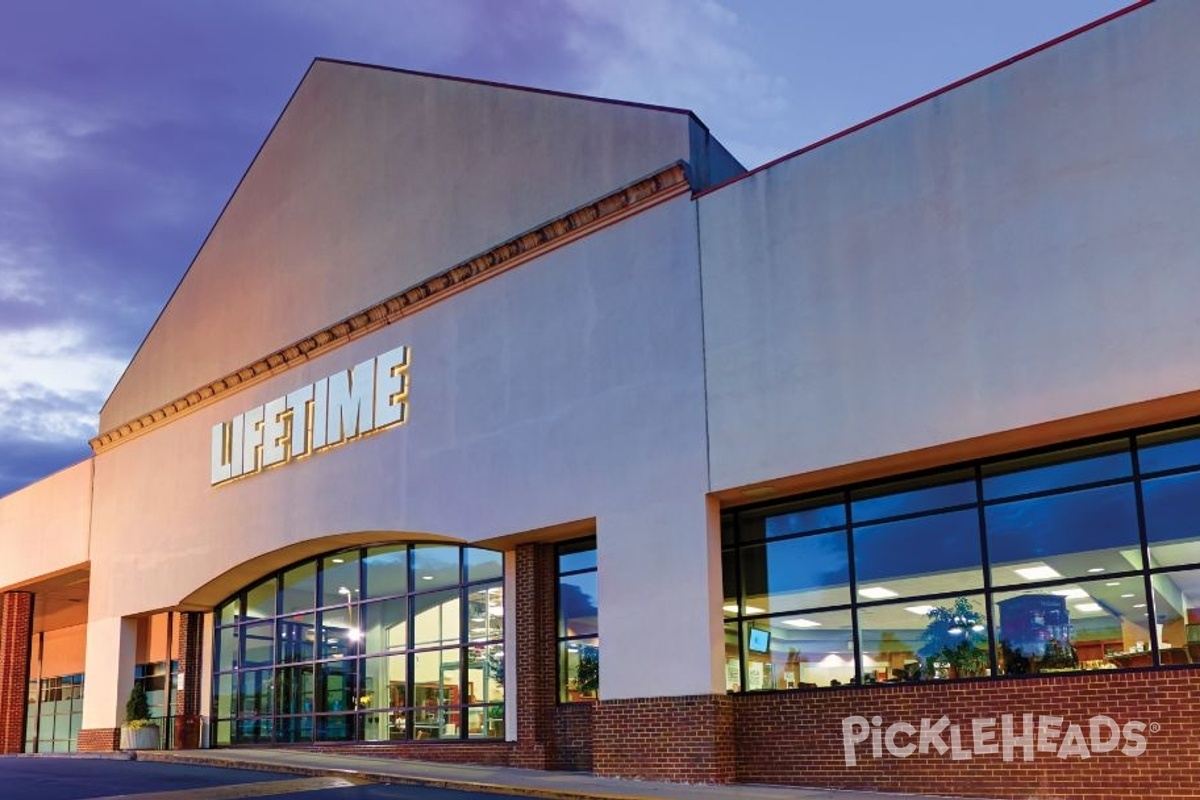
[
  {"x": 797, "y": 737},
  {"x": 573, "y": 736},
  {"x": 535, "y": 658},
  {"x": 99, "y": 740},
  {"x": 666, "y": 738},
  {"x": 191, "y": 666},
  {"x": 16, "y": 628}
]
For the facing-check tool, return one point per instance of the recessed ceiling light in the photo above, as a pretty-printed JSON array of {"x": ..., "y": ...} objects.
[
  {"x": 798, "y": 622},
  {"x": 1139, "y": 605},
  {"x": 338, "y": 560},
  {"x": 1088, "y": 607},
  {"x": 1113, "y": 583},
  {"x": 877, "y": 593},
  {"x": 1096, "y": 569},
  {"x": 426, "y": 577},
  {"x": 1039, "y": 572},
  {"x": 922, "y": 610},
  {"x": 1074, "y": 593},
  {"x": 1128, "y": 595}
]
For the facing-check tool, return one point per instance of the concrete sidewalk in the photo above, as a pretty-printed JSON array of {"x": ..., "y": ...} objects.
[{"x": 497, "y": 780}]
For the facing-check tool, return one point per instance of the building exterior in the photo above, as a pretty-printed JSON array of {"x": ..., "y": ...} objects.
[{"x": 875, "y": 467}]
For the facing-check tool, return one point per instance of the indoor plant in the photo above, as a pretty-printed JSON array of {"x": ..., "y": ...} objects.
[{"x": 955, "y": 642}]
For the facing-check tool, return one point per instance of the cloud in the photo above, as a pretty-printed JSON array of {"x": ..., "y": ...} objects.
[
  {"x": 51, "y": 382},
  {"x": 685, "y": 54},
  {"x": 26, "y": 460}
]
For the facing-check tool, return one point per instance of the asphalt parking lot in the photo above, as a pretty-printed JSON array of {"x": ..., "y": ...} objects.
[{"x": 107, "y": 779}]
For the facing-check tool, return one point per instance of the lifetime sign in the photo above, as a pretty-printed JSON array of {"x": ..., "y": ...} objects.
[{"x": 370, "y": 396}]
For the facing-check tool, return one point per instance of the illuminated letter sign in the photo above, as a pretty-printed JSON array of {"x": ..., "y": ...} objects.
[{"x": 368, "y": 397}]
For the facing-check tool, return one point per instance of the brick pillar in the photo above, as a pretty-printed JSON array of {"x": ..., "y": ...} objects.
[
  {"x": 16, "y": 631},
  {"x": 687, "y": 739},
  {"x": 535, "y": 661},
  {"x": 191, "y": 666}
]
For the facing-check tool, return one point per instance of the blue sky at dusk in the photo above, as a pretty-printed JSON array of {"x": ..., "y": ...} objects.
[{"x": 126, "y": 124}]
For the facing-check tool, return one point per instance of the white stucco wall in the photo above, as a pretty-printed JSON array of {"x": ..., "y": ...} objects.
[
  {"x": 568, "y": 388},
  {"x": 44, "y": 527},
  {"x": 372, "y": 181},
  {"x": 1021, "y": 249}
]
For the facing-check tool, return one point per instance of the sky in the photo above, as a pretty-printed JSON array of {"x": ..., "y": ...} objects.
[{"x": 126, "y": 124}]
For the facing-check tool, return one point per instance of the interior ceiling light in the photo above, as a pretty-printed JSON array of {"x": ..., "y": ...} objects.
[
  {"x": 1038, "y": 572},
  {"x": 799, "y": 622},
  {"x": 1088, "y": 607},
  {"x": 1139, "y": 605},
  {"x": 1074, "y": 593},
  {"x": 922, "y": 610},
  {"x": 733, "y": 609},
  {"x": 1130, "y": 594},
  {"x": 1113, "y": 583},
  {"x": 877, "y": 593},
  {"x": 1096, "y": 569}
]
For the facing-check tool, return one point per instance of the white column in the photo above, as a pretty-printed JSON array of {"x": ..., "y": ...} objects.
[
  {"x": 660, "y": 599},
  {"x": 108, "y": 670},
  {"x": 206, "y": 675}
]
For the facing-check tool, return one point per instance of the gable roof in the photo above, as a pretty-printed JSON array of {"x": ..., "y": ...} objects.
[{"x": 372, "y": 180}]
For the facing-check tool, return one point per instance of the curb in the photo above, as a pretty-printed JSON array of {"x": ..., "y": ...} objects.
[{"x": 383, "y": 777}]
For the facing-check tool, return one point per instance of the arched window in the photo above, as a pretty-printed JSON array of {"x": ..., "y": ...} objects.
[{"x": 399, "y": 641}]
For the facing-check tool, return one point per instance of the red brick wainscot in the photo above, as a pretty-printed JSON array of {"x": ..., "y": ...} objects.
[
  {"x": 687, "y": 739},
  {"x": 99, "y": 740},
  {"x": 1070, "y": 737}
]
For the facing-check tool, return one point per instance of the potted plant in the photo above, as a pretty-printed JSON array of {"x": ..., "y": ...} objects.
[{"x": 138, "y": 732}]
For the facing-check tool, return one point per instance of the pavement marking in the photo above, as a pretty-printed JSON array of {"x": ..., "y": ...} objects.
[{"x": 239, "y": 790}]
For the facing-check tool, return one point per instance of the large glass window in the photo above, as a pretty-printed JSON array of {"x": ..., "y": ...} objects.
[
  {"x": 366, "y": 644},
  {"x": 1080, "y": 558},
  {"x": 578, "y": 622}
]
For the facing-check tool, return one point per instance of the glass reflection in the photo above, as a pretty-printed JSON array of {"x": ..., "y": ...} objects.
[
  {"x": 799, "y": 651},
  {"x": 435, "y": 565},
  {"x": 1172, "y": 505},
  {"x": 1176, "y": 611},
  {"x": 1078, "y": 626},
  {"x": 810, "y": 571},
  {"x": 1058, "y": 470},
  {"x": 339, "y": 578},
  {"x": 913, "y": 496},
  {"x": 386, "y": 571},
  {"x": 923, "y": 641},
  {"x": 579, "y": 670},
  {"x": 948, "y": 559},
  {"x": 299, "y": 588},
  {"x": 301, "y": 676},
  {"x": 1064, "y": 535},
  {"x": 385, "y": 625},
  {"x": 807, "y": 516}
]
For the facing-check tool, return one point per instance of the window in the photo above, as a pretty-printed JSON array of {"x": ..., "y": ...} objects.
[
  {"x": 1076, "y": 558},
  {"x": 578, "y": 622},
  {"x": 368, "y": 644}
]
